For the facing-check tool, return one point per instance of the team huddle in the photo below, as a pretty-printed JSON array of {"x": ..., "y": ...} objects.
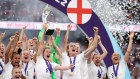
[{"x": 36, "y": 58}]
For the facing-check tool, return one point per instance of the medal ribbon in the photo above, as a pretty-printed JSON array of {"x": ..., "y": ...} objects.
[
  {"x": 2, "y": 68},
  {"x": 115, "y": 71},
  {"x": 100, "y": 73},
  {"x": 25, "y": 67},
  {"x": 72, "y": 69},
  {"x": 49, "y": 66}
]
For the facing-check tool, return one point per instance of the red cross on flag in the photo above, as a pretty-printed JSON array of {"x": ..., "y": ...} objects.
[{"x": 79, "y": 11}]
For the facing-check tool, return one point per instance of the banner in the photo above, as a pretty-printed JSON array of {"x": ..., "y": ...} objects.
[{"x": 80, "y": 12}]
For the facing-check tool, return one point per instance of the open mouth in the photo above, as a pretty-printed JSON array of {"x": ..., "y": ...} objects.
[
  {"x": 31, "y": 45},
  {"x": 2, "y": 52},
  {"x": 115, "y": 58},
  {"x": 97, "y": 61},
  {"x": 26, "y": 57},
  {"x": 48, "y": 56},
  {"x": 16, "y": 62},
  {"x": 17, "y": 77},
  {"x": 73, "y": 50}
]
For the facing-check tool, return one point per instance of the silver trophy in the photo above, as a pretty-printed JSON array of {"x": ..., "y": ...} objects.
[{"x": 45, "y": 14}]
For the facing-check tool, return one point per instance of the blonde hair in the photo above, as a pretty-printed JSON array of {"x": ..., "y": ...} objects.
[{"x": 16, "y": 67}]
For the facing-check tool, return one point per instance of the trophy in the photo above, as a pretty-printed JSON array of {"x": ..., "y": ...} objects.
[{"x": 45, "y": 14}]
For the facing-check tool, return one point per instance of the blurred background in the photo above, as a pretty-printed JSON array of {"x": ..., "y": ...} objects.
[{"x": 120, "y": 16}]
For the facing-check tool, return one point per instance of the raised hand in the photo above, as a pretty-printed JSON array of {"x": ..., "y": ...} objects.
[
  {"x": 16, "y": 34},
  {"x": 58, "y": 30},
  {"x": 24, "y": 28},
  {"x": 95, "y": 29},
  {"x": 90, "y": 40},
  {"x": 69, "y": 27},
  {"x": 45, "y": 26},
  {"x": 131, "y": 35},
  {"x": 3, "y": 34},
  {"x": 12, "y": 38}
]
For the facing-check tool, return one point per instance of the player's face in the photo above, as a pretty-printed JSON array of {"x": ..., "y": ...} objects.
[
  {"x": 97, "y": 59},
  {"x": 25, "y": 56},
  {"x": 2, "y": 49},
  {"x": 16, "y": 60},
  {"x": 77, "y": 48},
  {"x": 47, "y": 53},
  {"x": 72, "y": 48},
  {"x": 50, "y": 41},
  {"x": 16, "y": 74},
  {"x": 31, "y": 44},
  {"x": 116, "y": 58}
]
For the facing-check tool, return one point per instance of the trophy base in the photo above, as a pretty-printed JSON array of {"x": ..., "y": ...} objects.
[{"x": 49, "y": 32}]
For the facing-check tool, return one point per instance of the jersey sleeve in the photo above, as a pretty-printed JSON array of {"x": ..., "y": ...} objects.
[
  {"x": 40, "y": 34},
  {"x": 39, "y": 58},
  {"x": 64, "y": 54},
  {"x": 123, "y": 62}
]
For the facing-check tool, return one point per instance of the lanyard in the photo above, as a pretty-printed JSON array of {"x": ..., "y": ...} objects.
[
  {"x": 115, "y": 71},
  {"x": 49, "y": 66},
  {"x": 72, "y": 69}
]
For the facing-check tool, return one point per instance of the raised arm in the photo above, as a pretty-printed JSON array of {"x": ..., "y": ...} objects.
[
  {"x": 40, "y": 34},
  {"x": 14, "y": 44},
  {"x": 102, "y": 47},
  {"x": 57, "y": 39},
  {"x": 126, "y": 57},
  {"x": 66, "y": 38},
  {"x": 24, "y": 42},
  {"x": 90, "y": 42},
  {"x": 37, "y": 46},
  {"x": 19, "y": 43},
  {"x": 58, "y": 31},
  {"x": 2, "y": 36},
  {"x": 22, "y": 32},
  {"x": 15, "y": 40},
  {"x": 41, "y": 44},
  {"x": 8, "y": 50},
  {"x": 56, "y": 48},
  {"x": 90, "y": 45},
  {"x": 91, "y": 49}
]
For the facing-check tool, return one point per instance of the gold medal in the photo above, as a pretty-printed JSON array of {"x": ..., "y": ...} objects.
[
  {"x": 71, "y": 73},
  {"x": 98, "y": 78},
  {"x": 0, "y": 76},
  {"x": 116, "y": 78}
]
